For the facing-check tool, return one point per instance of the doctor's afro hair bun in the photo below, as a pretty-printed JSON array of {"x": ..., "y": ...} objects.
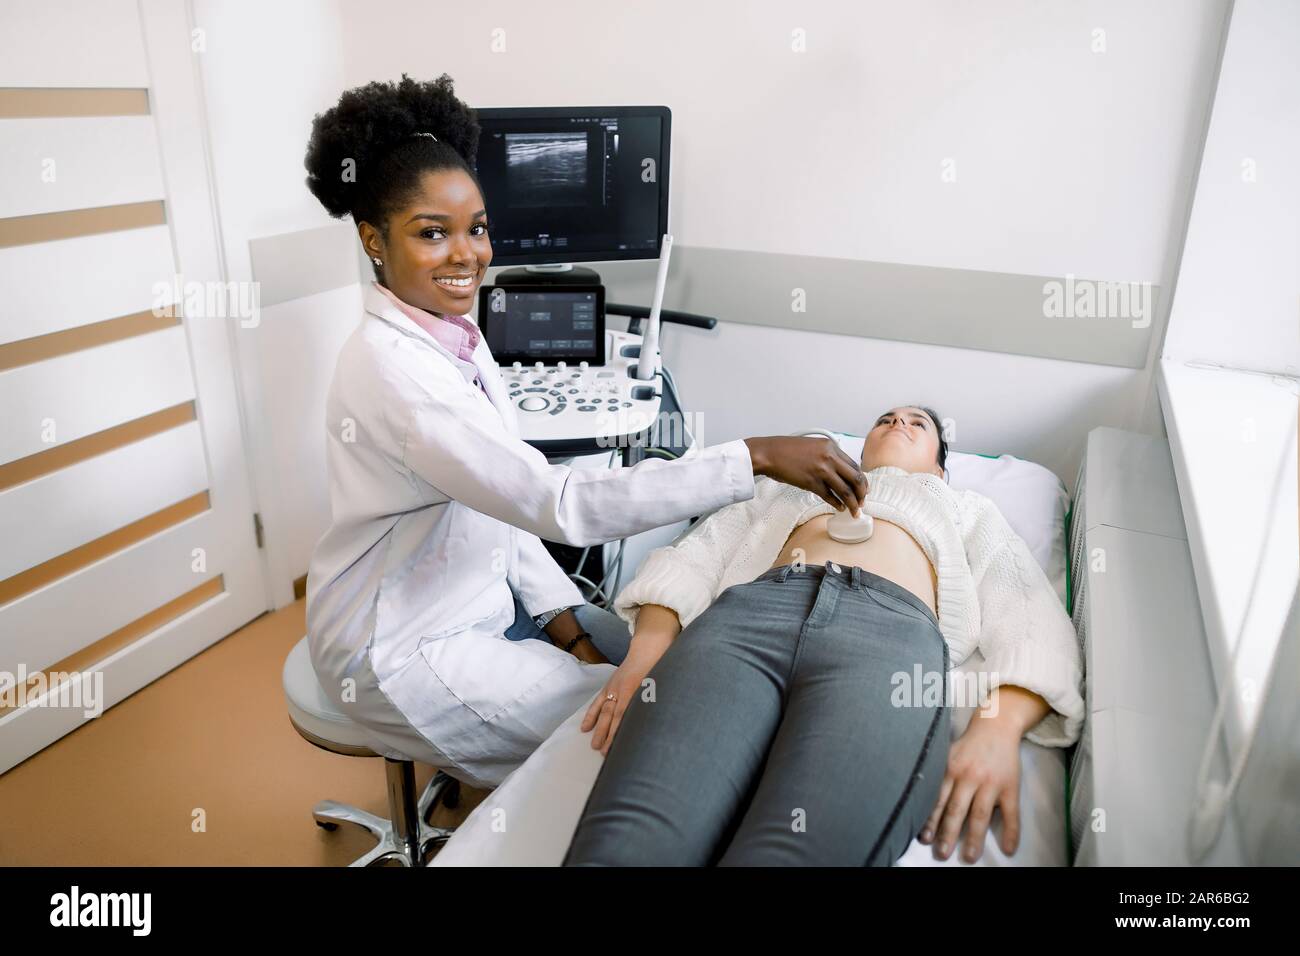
[{"x": 364, "y": 158}]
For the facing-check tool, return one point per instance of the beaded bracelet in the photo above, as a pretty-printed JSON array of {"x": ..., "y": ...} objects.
[{"x": 568, "y": 648}]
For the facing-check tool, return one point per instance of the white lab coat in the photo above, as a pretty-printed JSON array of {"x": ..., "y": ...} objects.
[{"x": 436, "y": 510}]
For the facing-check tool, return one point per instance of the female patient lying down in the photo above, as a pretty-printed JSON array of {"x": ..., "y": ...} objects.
[{"x": 786, "y": 697}]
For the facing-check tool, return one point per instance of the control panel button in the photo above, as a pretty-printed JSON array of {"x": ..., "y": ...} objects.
[{"x": 533, "y": 403}]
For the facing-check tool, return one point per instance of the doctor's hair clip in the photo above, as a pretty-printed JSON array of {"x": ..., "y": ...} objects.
[{"x": 430, "y": 135}]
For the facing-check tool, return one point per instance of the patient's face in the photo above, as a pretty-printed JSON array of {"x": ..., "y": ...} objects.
[{"x": 906, "y": 438}]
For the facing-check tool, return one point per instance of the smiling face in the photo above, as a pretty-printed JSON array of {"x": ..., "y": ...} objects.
[
  {"x": 435, "y": 250},
  {"x": 905, "y": 437}
]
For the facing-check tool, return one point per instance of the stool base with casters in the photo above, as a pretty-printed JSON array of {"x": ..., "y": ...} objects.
[
  {"x": 394, "y": 842},
  {"x": 406, "y": 837}
]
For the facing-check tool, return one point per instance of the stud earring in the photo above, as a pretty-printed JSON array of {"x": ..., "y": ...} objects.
[{"x": 376, "y": 261}]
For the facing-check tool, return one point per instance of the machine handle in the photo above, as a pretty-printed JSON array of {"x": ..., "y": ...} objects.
[{"x": 639, "y": 312}]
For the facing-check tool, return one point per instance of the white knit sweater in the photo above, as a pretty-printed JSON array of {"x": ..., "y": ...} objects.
[{"x": 992, "y": 594}]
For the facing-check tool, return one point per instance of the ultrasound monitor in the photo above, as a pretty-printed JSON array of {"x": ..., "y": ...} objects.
[{"x": 574, "y": 184}]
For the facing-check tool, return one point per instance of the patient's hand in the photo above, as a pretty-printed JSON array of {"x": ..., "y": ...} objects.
[
  {"x": 983, "y": 773},
  {"x": 605, "y": 714}
]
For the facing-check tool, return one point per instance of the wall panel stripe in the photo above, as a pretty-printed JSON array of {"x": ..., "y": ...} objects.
[
  {"x": 30, "y": 104},
  {"x": 40, "y": 348},
  {"x": 92, "y": 390},
  {"x": 72, "y": 506},
  {"x": 86, "y": 658},
  {"x": 62, "y": 456},
  {"x": 28, "y": 581},
  {"x": 50, "y": 227},
  {"x": 148, "y": 564},
  {"x": 962, "y": 308}
]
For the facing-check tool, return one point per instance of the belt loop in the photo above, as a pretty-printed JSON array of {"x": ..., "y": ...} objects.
[
  {"x": 856, "y": 579},
  {"x": 785, "y": 573}
]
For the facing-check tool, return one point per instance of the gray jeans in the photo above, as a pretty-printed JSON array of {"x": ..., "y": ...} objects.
[{"x": 800, "y": 720}]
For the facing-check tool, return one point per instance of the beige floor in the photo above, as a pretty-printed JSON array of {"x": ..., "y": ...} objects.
[{"x": 211, "y": 734}]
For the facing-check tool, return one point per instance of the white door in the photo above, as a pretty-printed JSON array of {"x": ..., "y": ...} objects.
[{"x": 127, "y": 539}]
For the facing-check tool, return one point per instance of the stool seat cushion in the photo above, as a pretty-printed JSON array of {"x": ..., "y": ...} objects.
[{"x": 311, "y": 710}]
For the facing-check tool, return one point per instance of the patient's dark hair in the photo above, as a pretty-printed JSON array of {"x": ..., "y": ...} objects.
[
  {"x": 938, "y": 430},
  {"x": 374, "y": 127}
]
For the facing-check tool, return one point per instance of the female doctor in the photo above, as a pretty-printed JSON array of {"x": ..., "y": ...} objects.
[{"x": 431, "y": 574}]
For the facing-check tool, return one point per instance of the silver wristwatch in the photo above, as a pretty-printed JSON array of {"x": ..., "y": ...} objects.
[{"x": 548, "y": 616}]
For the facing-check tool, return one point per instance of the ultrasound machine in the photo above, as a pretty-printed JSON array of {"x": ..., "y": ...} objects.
[{"x": 566, "y": 185}]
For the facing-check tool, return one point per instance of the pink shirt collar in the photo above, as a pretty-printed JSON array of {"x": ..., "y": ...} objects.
[{"x": 455, "y": 333}]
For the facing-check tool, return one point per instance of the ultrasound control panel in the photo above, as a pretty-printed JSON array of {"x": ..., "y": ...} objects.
[
  {"x": 570, "y": 378},
  {"x": 570, "y": 402}
]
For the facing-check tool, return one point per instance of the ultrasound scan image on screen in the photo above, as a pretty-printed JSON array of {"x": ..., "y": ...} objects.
[
  {"x": 570, "y": 186},
  {"x": 546, "y": 169}
]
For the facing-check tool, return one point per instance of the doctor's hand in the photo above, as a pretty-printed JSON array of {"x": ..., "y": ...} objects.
[
  {"x": 818, "y": 465},
  {"x": 563, "y": 628},
  {"x": 606, "y": 711},
  {"x": 983, "y": 773}
]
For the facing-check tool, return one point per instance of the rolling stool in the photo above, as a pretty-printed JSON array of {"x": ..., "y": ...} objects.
[{"x": 406, "y": 837}]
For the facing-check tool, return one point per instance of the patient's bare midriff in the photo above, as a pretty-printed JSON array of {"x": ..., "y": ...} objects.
[{"x": 890, "y": 552}]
